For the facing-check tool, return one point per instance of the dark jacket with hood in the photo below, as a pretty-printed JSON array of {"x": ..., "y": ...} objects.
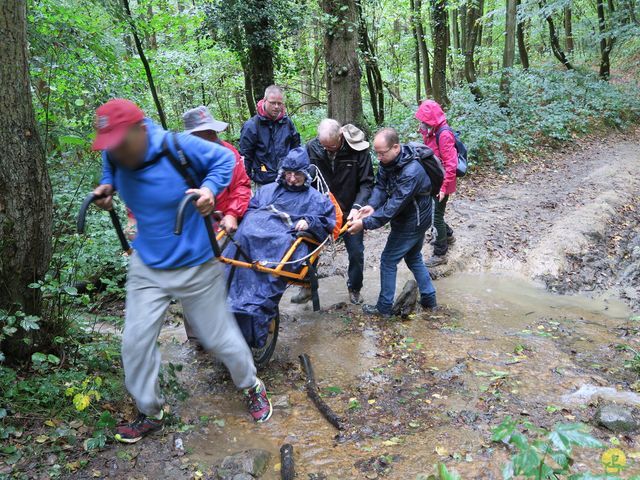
[
  {"x": 265, "y": 142},
  {"x": 401, "y": 195},
  {"x": 349, "y": 176}
]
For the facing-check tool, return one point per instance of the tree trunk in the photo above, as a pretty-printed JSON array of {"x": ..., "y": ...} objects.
[
  {"x": 471, "y": 39},
  {"x": 416, "y": 54},
  {"x": 372, "y": 69},
  {"x": 424, "y": 51},
  {"x": 343, "y": 69},
  {"x": 145, "y": 64},
  {"x": 440, "y": 42},
  {"x": 151, "y": 39},
  {"x": 522, "y": 44},
  {"x": 261, "y": 52},
  {"x": 248, "y": 88},
  {"x": 606, "y": 41},
  {"x": 509, "y": 52},
  {"x": 555, "y": 43},
  {"x": 26, "y": 209},
  {"x": 568, "y": 30},
  {"x": 455, "y": 31}
]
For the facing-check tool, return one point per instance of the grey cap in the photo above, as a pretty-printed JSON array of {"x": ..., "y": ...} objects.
[{"x": 199, "y": 119}]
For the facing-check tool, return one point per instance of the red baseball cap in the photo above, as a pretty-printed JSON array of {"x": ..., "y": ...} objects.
[{"x": 113, "y": 119}]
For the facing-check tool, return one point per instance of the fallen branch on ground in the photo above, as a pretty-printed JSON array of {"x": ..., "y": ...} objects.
[{"x": 312, "y": 393}]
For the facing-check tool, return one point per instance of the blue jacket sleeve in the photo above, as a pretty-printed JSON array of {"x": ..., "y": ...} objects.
[
  {"x": 407, "y": 186},
  {"x": 248, "y": 140},
  {"x": 214, "y": 161},
  {"x": 107, "y": 172},
  {"x": 323, "y": 220}
]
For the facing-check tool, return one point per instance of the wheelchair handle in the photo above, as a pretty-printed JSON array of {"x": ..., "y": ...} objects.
[
  {"x": 82, "y": 217},
  {"x": 191, "y": 197}
]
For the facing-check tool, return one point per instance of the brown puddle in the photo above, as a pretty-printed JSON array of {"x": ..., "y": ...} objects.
[{"x": 502, "y": 346}]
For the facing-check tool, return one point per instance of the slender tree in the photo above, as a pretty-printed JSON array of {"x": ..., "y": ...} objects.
[
  {"x": 341, "y": 58},
  {"x": 25, "y": 190},
  {"x": 606, "y": 38},
  {"x": 522, "y": 43},
  {"x": 416, "y": 54},
  {"x": 471, "y": 40},
  {"x": 553, "y": 37},
  {"x": 372, "y": 69},
  {"x": 509, "y": 52},
  {"x": 145, "y": 63},
  {"x": 440, "y": 42},
  {"x": 424, "y": 51},
  {"x": 568, "y": 29}
]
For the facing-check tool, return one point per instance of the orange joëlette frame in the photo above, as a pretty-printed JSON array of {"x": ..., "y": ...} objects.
[{"x": 296, "y": 278}]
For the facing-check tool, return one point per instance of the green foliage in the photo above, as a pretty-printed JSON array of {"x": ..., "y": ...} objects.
[{"x": 548, "y": 454}]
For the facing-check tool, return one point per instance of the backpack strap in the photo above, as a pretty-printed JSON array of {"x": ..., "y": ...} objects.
[
  {"x": 440, "y": 130},
  {"x": 181, "y": 162}
]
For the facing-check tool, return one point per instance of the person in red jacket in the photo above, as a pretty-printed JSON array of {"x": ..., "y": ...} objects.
[
  {"x": 233, "y": 201},
  {"x": 439, "y": 137}
]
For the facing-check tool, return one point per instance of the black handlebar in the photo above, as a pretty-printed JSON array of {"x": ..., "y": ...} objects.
[
  {"x": 82, "y": 217},
  {"x": 191, "y": 197}
]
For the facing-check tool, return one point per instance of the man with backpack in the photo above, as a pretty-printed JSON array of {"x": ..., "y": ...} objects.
[
  {"x": 140, "y": 161},
  {"x": 267, "y": 137},
  {"x": 402, "y": 197},
  {"x": 440, "y": 138}
]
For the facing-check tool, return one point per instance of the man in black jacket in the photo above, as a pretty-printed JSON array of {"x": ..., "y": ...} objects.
[
  {"x": 342, "y": 156},
  {"x": 401, "y": 197}
]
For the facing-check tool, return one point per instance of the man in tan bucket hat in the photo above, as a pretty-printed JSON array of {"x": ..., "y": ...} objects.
[{"x": 341, "y": 154}]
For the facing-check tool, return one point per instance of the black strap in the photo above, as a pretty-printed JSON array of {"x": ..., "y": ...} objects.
[{"x": 181, "y": 163}]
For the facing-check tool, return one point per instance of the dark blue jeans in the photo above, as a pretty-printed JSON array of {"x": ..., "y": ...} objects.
[
  {"x": 407, "y": 245},
  {"x": 355, "y": 250}
]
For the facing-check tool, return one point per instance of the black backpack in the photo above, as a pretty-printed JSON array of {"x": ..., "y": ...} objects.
[
  {"x": 431, "y": 164},
  {"x": 461, "y": 148}
]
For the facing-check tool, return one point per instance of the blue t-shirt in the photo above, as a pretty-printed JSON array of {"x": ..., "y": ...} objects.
[{"x": 154, "y": 191}]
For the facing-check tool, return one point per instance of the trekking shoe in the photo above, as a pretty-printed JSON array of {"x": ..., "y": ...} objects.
[
  {"x": 429, "y": 302},
  {"x": 373, "y": 310},
  {"x": 436, "y": 260},
  {"x": 355, "y": 297},
  {"x": 451, "y": 239},
  {"x": 303, "y": 295},
  {"x": 140, "y": 427},
  {"x": 259, "y": 404}
]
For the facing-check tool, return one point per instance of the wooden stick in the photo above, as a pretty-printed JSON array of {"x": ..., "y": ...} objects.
[
  {"x": 312, "y": 393},
  {"x": 287, "y": 470}
]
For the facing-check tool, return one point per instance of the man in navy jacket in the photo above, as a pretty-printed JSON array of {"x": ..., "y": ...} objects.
[
  {"x": 267, "y": 137},
  {"x": 401, "y": 197}
]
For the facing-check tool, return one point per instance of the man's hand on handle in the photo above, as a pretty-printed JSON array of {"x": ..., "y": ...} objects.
[
  {"x": 207, "y": 201},
  {"x": 106, "y": 193}
]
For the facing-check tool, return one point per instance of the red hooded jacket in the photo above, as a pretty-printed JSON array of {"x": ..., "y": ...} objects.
[
  {"x": 431, "y": 113},
  {"x": 234, "y": 200}
]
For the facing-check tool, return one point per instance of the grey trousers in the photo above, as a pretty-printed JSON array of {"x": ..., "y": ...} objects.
[{"x": 202, "y": 292}]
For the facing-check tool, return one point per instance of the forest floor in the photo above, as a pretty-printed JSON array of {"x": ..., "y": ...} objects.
[{"x": 539, "y": 292}]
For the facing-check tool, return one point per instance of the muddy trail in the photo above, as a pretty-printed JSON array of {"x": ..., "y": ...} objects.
[{"x": 538, "y": 295}]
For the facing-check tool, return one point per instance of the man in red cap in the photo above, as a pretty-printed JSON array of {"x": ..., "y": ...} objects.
[{"x": 137, "y": 162}]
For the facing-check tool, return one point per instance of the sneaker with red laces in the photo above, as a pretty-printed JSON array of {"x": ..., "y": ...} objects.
[
  {"x": 140, "y": 427},
  {"x": 258, "y": 402}
]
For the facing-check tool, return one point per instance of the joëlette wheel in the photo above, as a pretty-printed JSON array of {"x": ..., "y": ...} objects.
[{"x": 261, "y": 356}]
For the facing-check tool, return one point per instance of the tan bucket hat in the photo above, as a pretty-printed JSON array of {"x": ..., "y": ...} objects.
[{"x": 354, "y": 137}]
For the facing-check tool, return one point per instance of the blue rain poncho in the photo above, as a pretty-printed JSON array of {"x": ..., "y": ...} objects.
[{"x": 265, "y": 234}]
